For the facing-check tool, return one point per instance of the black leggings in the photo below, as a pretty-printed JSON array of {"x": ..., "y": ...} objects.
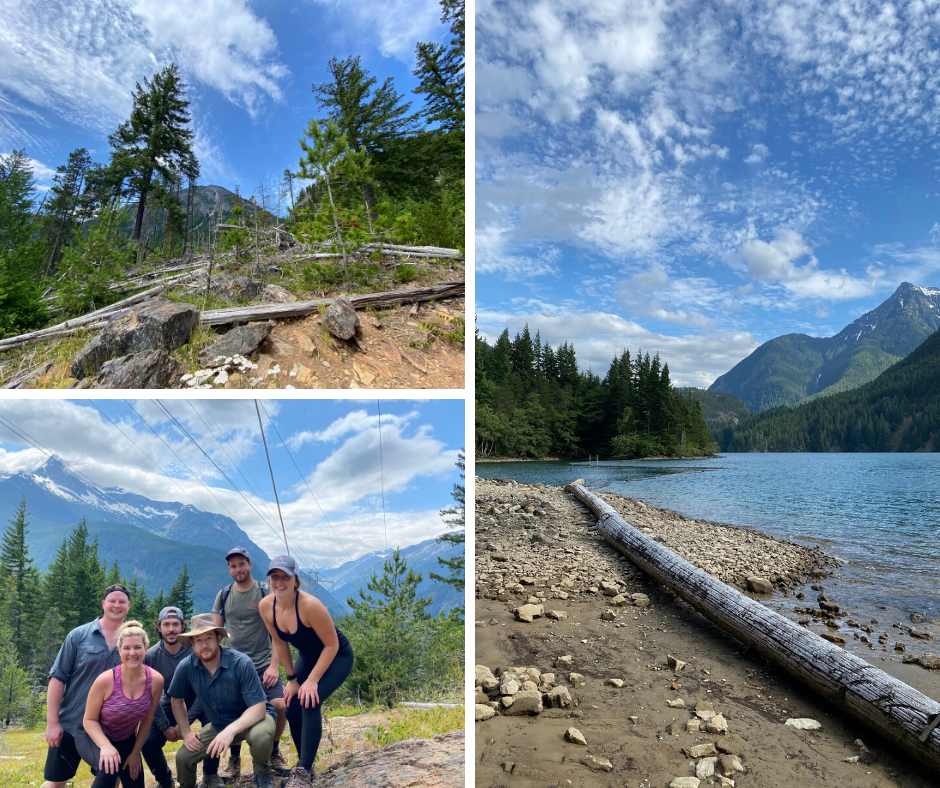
[
  {"x": 306, "y": 725},
  {"x": 91, "y": 753}
]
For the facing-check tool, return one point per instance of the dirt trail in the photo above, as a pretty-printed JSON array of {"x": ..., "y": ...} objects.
[{"x": 631, "y": 726}]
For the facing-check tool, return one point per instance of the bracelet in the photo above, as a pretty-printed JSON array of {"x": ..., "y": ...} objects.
[{"x": 292, "y": 678}]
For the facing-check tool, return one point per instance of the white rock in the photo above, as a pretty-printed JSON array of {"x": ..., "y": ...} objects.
[
  {"x": 575, "y": 737},
  {"x": 804, "y": 724},
  {"x": 481, "y": 712},
  {"x": 685, "y": 782},
  {"x": 705, "y": 768}
]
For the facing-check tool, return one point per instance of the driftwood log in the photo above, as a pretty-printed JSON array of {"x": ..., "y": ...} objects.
[
  {"x": 245, "y": 314},
  {"x": 893, "y": 709}
]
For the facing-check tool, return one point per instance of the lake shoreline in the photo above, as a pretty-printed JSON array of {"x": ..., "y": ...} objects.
[
  {"x": 653, "y": 458},
  {"x": 630, "y": 724}
]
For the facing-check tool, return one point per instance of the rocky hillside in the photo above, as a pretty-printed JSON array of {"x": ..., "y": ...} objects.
[{"x": 789, "y": 369}]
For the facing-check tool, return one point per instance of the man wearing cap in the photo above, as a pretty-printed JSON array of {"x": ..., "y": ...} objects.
[
  {"x": 88, "y": 651},
  {"x": 226, "y": 684},
  {"x": 236, "y": 609},
  {"x": 164, "y": 657}
]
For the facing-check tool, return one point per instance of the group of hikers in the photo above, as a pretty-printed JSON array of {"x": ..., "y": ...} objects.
[{"x": 113, "y": 700}]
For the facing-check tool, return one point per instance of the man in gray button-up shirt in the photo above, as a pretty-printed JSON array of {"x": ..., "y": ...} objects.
[
  {"x": 88, "y": 651},
  {"x": 226, "y": 684}
]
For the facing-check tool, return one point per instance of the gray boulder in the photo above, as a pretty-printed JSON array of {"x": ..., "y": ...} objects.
[
  {"x": 153, "y": 370},
  {"x": 243, "y": 340},
  {"x": 156, "y": 325},
  {"x": 341, "y": 319}
]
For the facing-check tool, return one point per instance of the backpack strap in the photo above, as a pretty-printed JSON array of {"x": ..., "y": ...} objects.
[{"x": 225, "y": 592}]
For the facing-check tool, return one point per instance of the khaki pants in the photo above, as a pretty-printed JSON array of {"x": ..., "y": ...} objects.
[{"x": 260, "y": 739}]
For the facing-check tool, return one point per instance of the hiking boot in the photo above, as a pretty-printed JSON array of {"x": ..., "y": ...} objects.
[
  {"x": 233, "y": 769},
  {"x": 263, "y": 781},
  {"x": 212, "y": 781},
  {"x": 299, "y": 778},
  {"x": 171, "y": 783},
  {"x": 279, "y": 765}
]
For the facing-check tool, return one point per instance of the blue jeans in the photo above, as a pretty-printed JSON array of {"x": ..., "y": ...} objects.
[{"x": 152, "y": 751}]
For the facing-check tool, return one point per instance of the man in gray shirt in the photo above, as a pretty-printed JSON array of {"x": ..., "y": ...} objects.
[
  {"x": 236, "y": 609},
  {"x": 88, "y": 651},
  {"x": 164, "y": 657}
]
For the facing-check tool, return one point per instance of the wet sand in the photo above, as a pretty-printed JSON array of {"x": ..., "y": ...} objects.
[{"x": 631, "y": 728}]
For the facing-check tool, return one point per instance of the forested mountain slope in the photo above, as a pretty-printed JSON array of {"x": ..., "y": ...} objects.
[
  {"x": 791, "y": 368},
  {"x": 898, "y": 411}
]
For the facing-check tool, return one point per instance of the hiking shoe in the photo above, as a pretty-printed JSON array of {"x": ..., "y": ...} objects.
[
  {"x": 263, "y": 781},
  {"x": 279, "y": 765},
  {"x": 212, "y": 781},
  {"x": 171, "y": 783},
  {"x": 233, "y": 769},
  {"x": 299, "y": 778}
]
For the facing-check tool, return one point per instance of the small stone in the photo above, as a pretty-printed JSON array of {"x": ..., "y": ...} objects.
[
  {"x": 527, "y": 613},
  {"x": 675, "y": 664},
  {"x": 705, "y": 768},
  {"x": 575, "y": 736},
  {"x": 677, "y": 703},
  {"x": 716, "y": 724},
  {"x": 853, "y": 759},
  {"x": 564, "y": 662},
  {"x": 759, "y": 585},
  {"x": 510, "y": 687},
  {"x": 597, "y": 764},
  {"x": 930, "y": 661},
  {"x": 481, "y": 712},
  {"x": 685, "y": 782},
  {"x": 730, "y": 764},
  {"x": 558, "y": 698},
  {"x": 575, "y": 678},
  {"x": 618, "y": 601},
  {"x": 732, "y": 744},
  {"x": 557, "y": 615},
  {"x": 697, "y": 751},
  {"x": 640, "y": 600},
  {"x": 609, "y": 615},
  {"x": 804, "y": 724},
  {"x": 693, "y": 726}
]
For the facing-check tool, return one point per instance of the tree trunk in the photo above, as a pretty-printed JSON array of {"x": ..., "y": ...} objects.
[
  {"x": 141, "y": 205},
  {"x": 369, "y": 193},
  {"x": 896, "y": 711},
  {"x": 339, "y": 234}
]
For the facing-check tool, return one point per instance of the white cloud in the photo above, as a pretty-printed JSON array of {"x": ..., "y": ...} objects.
[
  {"x": 395, "y": 25},
  {"x": 775, "y": 260},
  {"x": 758, "y": 153},
  {"x": 81, "y": 60}
]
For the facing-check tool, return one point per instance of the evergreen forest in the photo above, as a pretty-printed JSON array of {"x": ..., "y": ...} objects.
[
  {"x": 378, "y": 166},
  {"x": 532, "y": 401},
  {"x": 898, "y": 411}
]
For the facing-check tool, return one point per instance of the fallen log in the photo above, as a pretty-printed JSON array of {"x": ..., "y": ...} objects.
[
  {"x": 244, "y": 314},
  {"x": 893, "y": 709},
  {"x": 91, "y": 317},
  {"x": 437, "y": 251},
  {"x": 411, "y": 705},
  {"x": 61, "y": 334}
]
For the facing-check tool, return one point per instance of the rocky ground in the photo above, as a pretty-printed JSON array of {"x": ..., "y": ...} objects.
[
  {"x": 415, "y": 346},
  {"x": 347, "y": 759},
  {"x": 599, "y": 676}
]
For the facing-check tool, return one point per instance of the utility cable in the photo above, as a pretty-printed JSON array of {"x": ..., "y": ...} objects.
[{"x": 268, "y": 456}]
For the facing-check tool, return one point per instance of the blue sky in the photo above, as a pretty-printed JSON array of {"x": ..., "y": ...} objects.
[
  {"x": 335, "y": 444},
  {"x": 68, "y": 69},
  {"x": 697, "y": 178}
]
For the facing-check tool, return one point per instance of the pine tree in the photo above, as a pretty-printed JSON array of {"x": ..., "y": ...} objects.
[
  {"x": 155, "y": 139},
  {"x": 15, "y": 694},
  {"x": 62, "y": 211},
  {"x": 369, "y": 117},
  {"x": 330, "y": 159},
  {"x": 50, "y": 637},
  {"x": 17, "y": 566},
  {"x": 85, "y": 573},
  {"x": 455, "y": 517},
  {"x": 390, "y": 632},
  {"x": 57, "y": 589},
  {"x": 20, "y": 252},
  {"x": 181, "y": 594}
]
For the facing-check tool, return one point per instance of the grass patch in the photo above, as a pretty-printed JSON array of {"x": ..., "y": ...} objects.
[
  {"x": 59, "y": 351},
  {"x": 453, "y": 330},
  {"x": 415, "y": 724},
  {"x": 201, "y": 337}
]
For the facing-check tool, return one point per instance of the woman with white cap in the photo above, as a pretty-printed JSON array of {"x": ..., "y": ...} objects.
[
  {"x": 118, "y": 713},
  {"x": 324, "y": 659}
]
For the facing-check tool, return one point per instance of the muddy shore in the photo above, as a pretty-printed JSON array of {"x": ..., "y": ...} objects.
[{"x": 536, "y": 544}]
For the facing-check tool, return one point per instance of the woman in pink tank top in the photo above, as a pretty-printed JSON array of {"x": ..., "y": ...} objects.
[{"x": 118, "y": 714}]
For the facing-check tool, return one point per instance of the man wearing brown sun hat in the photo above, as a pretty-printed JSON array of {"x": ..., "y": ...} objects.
[{"x": 226, "y": 684}]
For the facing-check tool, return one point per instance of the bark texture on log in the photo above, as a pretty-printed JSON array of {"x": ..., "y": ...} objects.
[
  {"x": 895, "y": 710},
  {"x": 221, "y": 317}
]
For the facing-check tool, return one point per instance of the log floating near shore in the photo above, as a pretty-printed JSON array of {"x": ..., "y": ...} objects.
[
  {"x": 244, "y": 314},
  {"x": 894, "y": 710}
]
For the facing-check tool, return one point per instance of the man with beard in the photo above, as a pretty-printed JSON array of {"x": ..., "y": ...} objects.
[
  {"x": 164, "y": 657},
  {"x": 226, "y": 684},
  {"x": 236, "y": 609},
  {"x": 88, "y": 651}
]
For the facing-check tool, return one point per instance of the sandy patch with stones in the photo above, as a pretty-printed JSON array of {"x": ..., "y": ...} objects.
[{"x": 632, "y": 728}]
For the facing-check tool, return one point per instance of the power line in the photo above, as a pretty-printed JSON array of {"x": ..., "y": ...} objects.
[{"x": 273, "y": 485}]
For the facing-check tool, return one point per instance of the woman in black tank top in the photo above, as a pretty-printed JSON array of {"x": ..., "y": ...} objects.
[{"x": 324, "y": 659}]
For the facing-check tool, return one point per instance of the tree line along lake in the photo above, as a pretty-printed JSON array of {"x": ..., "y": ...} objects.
[{"x": 879, "y": 513}]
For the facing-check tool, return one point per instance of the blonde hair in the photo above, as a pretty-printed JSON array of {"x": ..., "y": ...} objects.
[{"x": 132, "y": 629}]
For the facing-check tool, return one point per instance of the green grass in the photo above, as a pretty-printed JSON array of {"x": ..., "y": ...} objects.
[{"x": 415, "y": 724}]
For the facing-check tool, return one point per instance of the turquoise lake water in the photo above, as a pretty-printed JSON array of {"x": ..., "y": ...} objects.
[{"x": 880, "y": 513}]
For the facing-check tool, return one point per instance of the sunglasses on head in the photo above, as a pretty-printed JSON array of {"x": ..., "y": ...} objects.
[{"x": 117, "y": 587}]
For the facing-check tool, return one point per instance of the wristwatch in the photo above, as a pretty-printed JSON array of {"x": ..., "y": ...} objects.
[{"x": 292, "y": 678}]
